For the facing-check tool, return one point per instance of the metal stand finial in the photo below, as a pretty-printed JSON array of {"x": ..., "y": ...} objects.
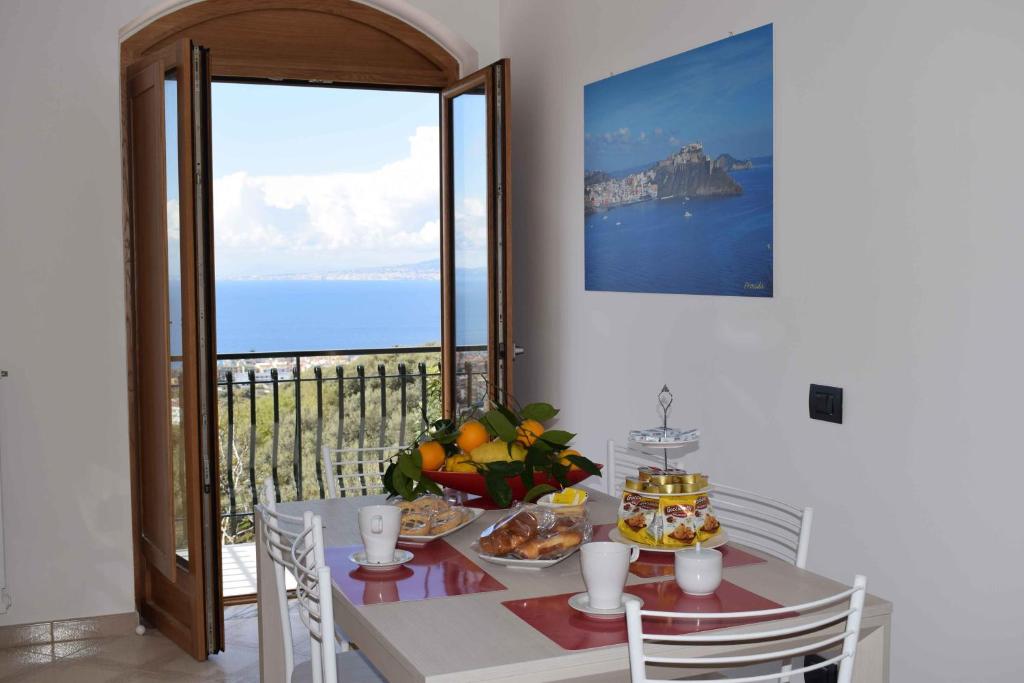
[{"x": 665, "y": 399}]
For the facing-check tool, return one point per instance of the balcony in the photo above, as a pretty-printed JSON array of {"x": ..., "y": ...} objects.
[{"x": 278, "y": 410}]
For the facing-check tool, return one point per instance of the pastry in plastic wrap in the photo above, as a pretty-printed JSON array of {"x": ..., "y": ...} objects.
[{"x": 535, "y": 532}]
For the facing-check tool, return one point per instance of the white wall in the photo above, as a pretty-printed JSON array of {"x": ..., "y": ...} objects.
[
  {"x": 64, "y": 413},
  {"x": 898, "y": 235}
]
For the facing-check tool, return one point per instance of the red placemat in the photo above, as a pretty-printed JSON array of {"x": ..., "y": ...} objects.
[
  {"x": 436, "y": 571},
  {"x": 651, "y": 564},
  {"x": 572, "y": 630}
]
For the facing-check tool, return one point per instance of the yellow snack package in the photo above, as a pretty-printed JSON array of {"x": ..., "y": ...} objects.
[
  {"x": 679, "y": 520},
  {"x": 637, "y": 517},
  {"x": 707, "y": 524}
]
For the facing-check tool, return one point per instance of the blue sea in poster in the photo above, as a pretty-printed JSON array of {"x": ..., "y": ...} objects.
[
  {"x": 678, "y": 173},
  {"x": 724, "y": 247}
]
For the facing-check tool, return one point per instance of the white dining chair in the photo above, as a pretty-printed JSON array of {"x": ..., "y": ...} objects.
[
  {"x": 767, "y": 524},
  {"x": 277, "y": 544},
  {"x": 316, "y": 611},
  {"x": 278, "y": 531},
  {"x": 355, "y": 471},
  {"x": 782, "y": 643}
]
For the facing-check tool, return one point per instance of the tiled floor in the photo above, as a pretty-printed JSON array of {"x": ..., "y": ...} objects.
[{"x": 150, "y": 657}]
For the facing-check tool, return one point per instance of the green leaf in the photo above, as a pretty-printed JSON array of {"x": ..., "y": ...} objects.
[
  {"x": 408, "y": 466},
  {"x": 560, "y": 472},
  {"x": 446, "y": 438},
  {"x": 537, "y": 457},
  {"x": 509, "y": 415},
  {"x": 557, "y": 437},
  {"x": 542, "y": 412},
  {"x": 527, "y": 475},
  {"x": 505, "y": 469},
  {"x": 504, "y": 429},
  {"x": 387, "y": 479},
  {"x": 426, "y": 486},
  {"x": 537, "y": 491},
  {"x": 542, "y": 446},
  {"x": 585, "y": 464},
  {"x": 499, "y": 489},
  {"x": 403, "y": 485}
]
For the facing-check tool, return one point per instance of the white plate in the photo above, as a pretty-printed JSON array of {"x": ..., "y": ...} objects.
[
  {"x": 420, "y": 541},
  {"x": 524, "y": 564},
  {"x": 401, "y": 557},
  {"x": 717, "y": 540},
  {"x": 581, "y": 603}
]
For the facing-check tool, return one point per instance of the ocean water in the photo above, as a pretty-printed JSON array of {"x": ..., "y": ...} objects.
[
  {"x": 308, "y": 315},
  {"x": 724, "y": 247}
]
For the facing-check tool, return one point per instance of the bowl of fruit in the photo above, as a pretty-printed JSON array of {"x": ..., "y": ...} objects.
[{"x": 503, "y": 456}]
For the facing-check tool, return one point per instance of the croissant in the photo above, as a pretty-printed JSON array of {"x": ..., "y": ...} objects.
[
  {"x": 503, "y": 539},
  {"x": 551, "y": 545}
]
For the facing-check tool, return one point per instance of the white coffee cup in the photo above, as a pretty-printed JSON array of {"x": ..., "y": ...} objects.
[
  {"x": 699, "y": 570},
  {"x": 605, "y": 566},
  {"x": 379, "y": 526}
]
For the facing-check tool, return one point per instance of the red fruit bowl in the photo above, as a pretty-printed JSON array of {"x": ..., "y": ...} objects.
[{"x": 474, "y": 484}]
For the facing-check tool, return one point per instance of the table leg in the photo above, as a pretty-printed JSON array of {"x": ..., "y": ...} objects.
[{"x": 873, "y": 655}]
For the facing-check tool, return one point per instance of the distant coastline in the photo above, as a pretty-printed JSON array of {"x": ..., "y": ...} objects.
[
  {"x": 424, "y": 271},
  {"x": 688, "y": 172}
]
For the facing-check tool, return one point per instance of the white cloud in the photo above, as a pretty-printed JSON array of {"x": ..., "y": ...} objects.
[{"x": 386, "y": 215}]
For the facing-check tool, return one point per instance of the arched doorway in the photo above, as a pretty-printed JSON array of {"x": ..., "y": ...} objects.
[{"x": 172, "y": 356}]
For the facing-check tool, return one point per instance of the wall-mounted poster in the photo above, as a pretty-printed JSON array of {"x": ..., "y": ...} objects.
[{"x": 678, "y": 173}]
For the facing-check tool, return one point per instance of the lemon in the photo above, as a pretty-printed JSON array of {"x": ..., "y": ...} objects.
[
  {"x": 569, "y": 497},
  {"x": 459, "y": 462},
  {"x": 497, "y": 451}
]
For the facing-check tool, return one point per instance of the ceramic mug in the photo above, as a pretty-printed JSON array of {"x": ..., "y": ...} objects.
[
  {"x": 379, "y": 526},
  {"x": 605, "y": 566},
  {"x": 699, "y": 572}
]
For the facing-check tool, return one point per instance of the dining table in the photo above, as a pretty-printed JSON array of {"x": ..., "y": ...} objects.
[{"x": 449, "y": 616}]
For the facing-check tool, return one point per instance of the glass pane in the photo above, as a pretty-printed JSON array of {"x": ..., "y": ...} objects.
[
  {"x": 174, "y": 329},
  {"x": 469, "y": 185}
]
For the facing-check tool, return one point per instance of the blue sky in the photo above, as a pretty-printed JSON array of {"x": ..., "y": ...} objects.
[
  {"x": 315, "y": 180},
  {"x": 720, "y": 94}
]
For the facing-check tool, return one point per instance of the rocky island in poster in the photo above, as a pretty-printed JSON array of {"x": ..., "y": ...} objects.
[{"x": 678, "y": 173}]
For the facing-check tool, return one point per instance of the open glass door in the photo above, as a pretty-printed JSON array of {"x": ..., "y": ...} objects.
[
  {"x": 477, "y": 349},
  {"x": 169, "y": 262}
]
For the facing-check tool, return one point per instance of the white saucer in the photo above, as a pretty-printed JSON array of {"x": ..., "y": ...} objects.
[
  {"x": 581, "y": 603},
  {"x": 401, "y": 557}
]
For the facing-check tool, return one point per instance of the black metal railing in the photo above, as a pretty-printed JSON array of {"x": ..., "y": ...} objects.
[{"x": 277, "y": 410}]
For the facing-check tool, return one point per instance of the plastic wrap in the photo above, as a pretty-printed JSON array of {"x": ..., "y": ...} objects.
[{"x": 536, "y": 532}]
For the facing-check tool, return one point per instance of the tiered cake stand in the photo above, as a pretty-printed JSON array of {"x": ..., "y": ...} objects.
[{"x": 664, "y": 437}]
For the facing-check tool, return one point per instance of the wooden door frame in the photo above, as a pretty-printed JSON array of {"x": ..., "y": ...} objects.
[
  {"x": 500, "y": 347},
  {"x": 170, "y": 24}
]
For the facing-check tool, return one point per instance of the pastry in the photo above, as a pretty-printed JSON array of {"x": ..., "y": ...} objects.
[
  {"x": 504, "y": 537},
  {"x": 636, "y": 522},
  {"x": 446, "y": 520},
  {"x": 415, "y": 524},
  {"x": 552, "y": 545}
]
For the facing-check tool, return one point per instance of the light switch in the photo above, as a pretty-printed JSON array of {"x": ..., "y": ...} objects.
[{"x": 826, "y": 403}]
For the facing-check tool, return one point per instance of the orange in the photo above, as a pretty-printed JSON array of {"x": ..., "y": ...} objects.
[
  {"x": 471, "y": 435},
  {"x": 565, "y": 461},
  {"x": 433, "y": 455},
  {"x": 528, "y": 432}
]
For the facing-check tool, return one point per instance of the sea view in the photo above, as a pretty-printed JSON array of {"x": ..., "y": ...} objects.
[
  {"x": 307, "y": 315},
  {"x": 724, "y": 245}
]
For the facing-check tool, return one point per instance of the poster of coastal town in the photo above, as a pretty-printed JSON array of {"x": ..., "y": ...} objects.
[{"x": 678, "y": 173}]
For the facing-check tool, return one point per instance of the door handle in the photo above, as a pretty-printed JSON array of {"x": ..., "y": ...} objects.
[{"x": 517, "y": 351}]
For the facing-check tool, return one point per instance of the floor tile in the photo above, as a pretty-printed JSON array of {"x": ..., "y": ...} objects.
[
  {"x": 84, "y": 671},
  {"x": 17, "y": 661}
]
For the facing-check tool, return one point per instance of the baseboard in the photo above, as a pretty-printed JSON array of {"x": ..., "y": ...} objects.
[{"x": 63, "y": 630}]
